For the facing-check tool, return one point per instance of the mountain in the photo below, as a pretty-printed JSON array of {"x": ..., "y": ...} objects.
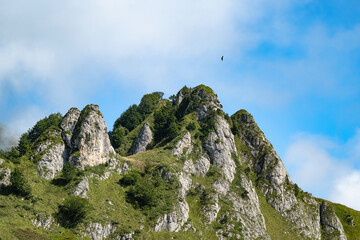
[{"x": 169, "y": 169}]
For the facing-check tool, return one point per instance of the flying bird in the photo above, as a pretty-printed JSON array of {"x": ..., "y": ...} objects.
[{"x": 222, "y": 58}]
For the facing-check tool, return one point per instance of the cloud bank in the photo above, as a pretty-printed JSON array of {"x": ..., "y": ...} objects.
[{"x": 326, "y": 167}]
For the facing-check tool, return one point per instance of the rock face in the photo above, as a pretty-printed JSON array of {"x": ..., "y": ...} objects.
[
  {"x": 175, "y": 220},
  {"x": 144, "y": 139},
  {"x": 275, "y": 181},
  {"x": 330, "y": 223},
  {"x": 82, "y": 188},
  {"x": 44, "y": 222},
  {"x": 184, "y": 143},
  {"x": 52, "y": 154},
  {"x": 5, "y": 174},
  {"x": 246, "y": 209},
  {"x": 68, "y": 124},
  {"x": 200, "y": 168},
  {"x": 98, "y": 231},
  {"x": 200, "y": 99},
  {"x": 83, "y": 134},
  {"x": 90, "y": 141},
  {"x": 220, "y": 145}
]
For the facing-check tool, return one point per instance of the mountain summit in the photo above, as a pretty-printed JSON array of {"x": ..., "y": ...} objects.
[{"x": 168, "y": 169}]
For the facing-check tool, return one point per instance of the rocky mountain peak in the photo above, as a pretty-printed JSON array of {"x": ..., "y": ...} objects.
[
  {"x": 200, "y": 99},
  {"x": 213, "y": 177},
  {"x": 90, "y": 141}
]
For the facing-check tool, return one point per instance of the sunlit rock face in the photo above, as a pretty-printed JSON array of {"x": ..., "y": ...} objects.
[
  {"x": 144, "y": 139},
  {"x": 90, "y": 143}
]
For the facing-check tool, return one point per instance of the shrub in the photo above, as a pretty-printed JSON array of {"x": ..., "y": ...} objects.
[
  {"x": 191, "y": 126},
  {"x": 153, "y": 195},
  {"x": 40, "y": 127},
  {"x": 70, "y": 172},
  {"x": 148, "y": 103},
  {"x": 19, "y": 184},
  {"x": 24, "y": 144},
  {"x": 12, "y": 155},
  {"x": 165, "y": 123},
  {"x": 296, "y": 190},
  {"x": 129, "y": 179},
  {"x": 129, "y": 119},
  {"x": 208, "y": 124},
  {"x": 117, "y": 136},
  {"x": 73, "y": 211}
]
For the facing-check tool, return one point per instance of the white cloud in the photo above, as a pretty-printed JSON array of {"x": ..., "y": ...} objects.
[
  {"x": 63, "y": 52},
  {"x": 313, "y": 163},
  {"x": 8, "y": 139},
  {"x": 309, "y": 160},
  {"x": 145, "y": 41},
  {"x": 25, "y": 118},
  {"x": 347, "y": 190}
]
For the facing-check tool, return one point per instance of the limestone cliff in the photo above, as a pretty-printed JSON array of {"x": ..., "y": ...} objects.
[
  {"x": 68, "y": 125},
  {"x": 82, "y": 139},
  {"x": 52, "y": 155},
  {"x": 90, "y": 141}
]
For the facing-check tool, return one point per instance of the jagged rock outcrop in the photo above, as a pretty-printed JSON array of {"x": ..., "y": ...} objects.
[
  {"x": 52, "y": 155},
  {"x": 246, "y": 209},
  {"x": 43, "y": 221},
  {"x": 200, "y": 167},
  {"x": 68, "y": 124},
  {"x": 330, "y": 223},
  {"x": 274, "y": 180},
  {"x": 200, "y": 99},
  {"x": 184, "y": 143},
  {"x": 83, "y": 134},
  {"x": 98, "y": 231},
  {"x": 144, "y": 139},
  {"x": 90, "y": 141},
  {"x": 82, "y": 188},
  {"x": 175, "y": 220},
  {"x": 220, "y": 146},
  {"x": 5, "y": 174}
]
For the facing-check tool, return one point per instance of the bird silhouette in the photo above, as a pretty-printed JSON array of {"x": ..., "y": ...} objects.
[{"x": 222, "y": 58}]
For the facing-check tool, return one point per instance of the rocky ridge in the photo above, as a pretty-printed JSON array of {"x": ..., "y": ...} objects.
[{"x": 222, "y": 169}]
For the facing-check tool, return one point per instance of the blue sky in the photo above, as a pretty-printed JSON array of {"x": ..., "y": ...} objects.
[{"x": 294, "y": 65}]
